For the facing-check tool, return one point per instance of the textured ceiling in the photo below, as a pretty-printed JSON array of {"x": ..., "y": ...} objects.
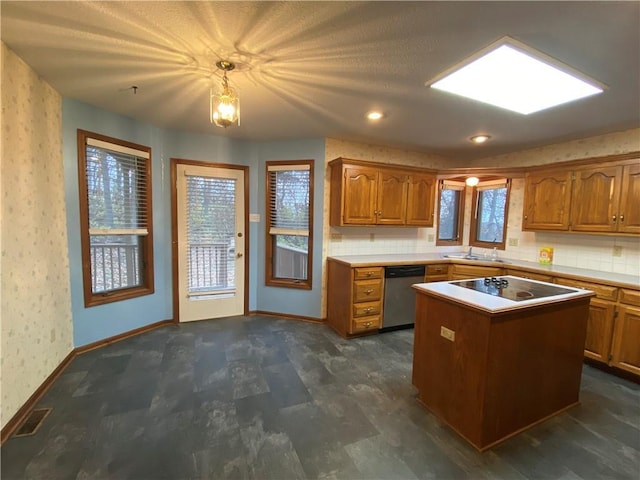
[{"x": 313, "y": 69}]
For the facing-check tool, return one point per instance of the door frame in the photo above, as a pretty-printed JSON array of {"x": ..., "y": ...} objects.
[{"x": 174, "y": 228}]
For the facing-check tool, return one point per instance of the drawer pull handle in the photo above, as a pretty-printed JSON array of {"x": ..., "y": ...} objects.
[
  {"x": 369, "y": 274},
  {"x": 368, "y": 309},
  {"x": 367, "y": 325},
  {"x": 368, "y": 292}
]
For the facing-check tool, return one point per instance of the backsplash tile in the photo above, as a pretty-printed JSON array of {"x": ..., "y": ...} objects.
[{"x": 583, "y": 251}]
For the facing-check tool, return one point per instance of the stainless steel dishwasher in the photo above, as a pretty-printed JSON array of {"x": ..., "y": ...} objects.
[{"x": 399, "y": 308}]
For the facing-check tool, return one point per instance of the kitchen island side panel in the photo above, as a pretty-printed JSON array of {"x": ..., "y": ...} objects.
[
  {"x": 534, "y": 367},
  {"x": 502, "y": 372}
]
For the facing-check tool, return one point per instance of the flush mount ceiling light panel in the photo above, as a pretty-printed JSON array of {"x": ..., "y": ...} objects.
[{"x": 514, "y": 76}]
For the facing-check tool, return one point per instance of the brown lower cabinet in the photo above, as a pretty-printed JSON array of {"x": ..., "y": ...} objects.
[
  {"x": 613, "y": 328},
  {"x": 354, "y": 306},
  {"x": 354, "y": 298},
  {"x": 464, "y": 271}
]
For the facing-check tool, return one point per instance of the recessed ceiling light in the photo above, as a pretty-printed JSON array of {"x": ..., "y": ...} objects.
[
  {"x": 480, "y": 138},
  {"x": 375, "y": 115},
  {"x": 511, "y": 75}
]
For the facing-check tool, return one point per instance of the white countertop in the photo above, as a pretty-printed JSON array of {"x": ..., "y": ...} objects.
[
  {"x": 385, "y": 259},
  {"x": 494, "y": 304}
]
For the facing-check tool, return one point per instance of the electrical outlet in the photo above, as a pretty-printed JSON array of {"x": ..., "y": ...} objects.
[
  {"x": 372, "y": 237},
  {"x": 447, "y": 333},
  {"x": 336, "y": 237},
  {"x": 617, "y": 251},
  {"x": 513, "y": 242},
  {"x": 431, "y": 237}
]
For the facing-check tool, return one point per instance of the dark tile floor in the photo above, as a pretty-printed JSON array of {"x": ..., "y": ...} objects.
[{"x": 266, "y": 398}]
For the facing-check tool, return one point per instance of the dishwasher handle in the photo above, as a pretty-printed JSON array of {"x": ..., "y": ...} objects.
[{"x": 404, "y": 271}]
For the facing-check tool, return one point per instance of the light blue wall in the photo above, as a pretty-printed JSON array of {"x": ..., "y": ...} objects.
[
  {"x": 306, "y": 303},
  {"x": 104, "y": 321}
]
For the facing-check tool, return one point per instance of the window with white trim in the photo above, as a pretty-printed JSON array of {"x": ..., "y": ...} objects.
[
  {"x": 289, "y": 223},
  {"x": 115, "y": 218}
]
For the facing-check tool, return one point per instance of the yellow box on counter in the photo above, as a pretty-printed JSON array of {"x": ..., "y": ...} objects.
[{"x": 546, "y": 256}]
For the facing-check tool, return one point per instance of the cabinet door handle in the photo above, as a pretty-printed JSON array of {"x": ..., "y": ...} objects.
[
  {"x": 614, "y": 217},
  {"x": 621, "y": 218},
  {"x": 526, "y": 217}
]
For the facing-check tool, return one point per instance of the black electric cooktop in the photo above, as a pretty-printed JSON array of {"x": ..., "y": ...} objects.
[{"x": 512, "y": 288}]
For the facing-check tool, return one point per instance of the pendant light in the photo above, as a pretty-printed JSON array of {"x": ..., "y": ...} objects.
[{"x": 224, "y": 106}]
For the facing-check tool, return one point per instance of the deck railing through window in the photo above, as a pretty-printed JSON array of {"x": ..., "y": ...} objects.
[
  {"x": 112, "y": 266},
  {"x": 210, "y": 267},
  {"x": 290, "y": 262}
]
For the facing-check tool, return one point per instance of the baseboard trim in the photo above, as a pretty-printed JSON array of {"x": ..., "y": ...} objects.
[
  {"x": 289, "y": 316},
  {"x": 122, "y": 336},
  {"x": 618, "y": 372},
  {"x": 16, "y": 421},
  {"x": 20, "y": 416}
]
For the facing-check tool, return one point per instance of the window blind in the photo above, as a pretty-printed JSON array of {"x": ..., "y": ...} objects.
[
  {"x": 492, "y": 184},
  {"x": 452, "y": 185},
  {"x": 211, "y": 218},
  {"x": 116, "y": 191},
  {"x": 289, "y": 199}
]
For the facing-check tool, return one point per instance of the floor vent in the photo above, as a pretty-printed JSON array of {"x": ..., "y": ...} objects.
[{"x": 33, "y": 422}]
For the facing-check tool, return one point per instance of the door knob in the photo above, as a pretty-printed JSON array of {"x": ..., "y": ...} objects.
[{"x": 239, "y": 254}]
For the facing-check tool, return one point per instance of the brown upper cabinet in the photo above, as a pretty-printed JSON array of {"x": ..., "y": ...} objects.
[
  {"x": 365, "y": 193},
  {"x": 600, "y": 197},
  {"x": 547, "y": 200}
]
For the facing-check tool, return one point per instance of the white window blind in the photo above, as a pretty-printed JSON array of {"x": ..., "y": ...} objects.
[
  {"x": 210, "y": 235},
  {"x": 289, "y": 199},
  {"x": 116, "y": 191}
]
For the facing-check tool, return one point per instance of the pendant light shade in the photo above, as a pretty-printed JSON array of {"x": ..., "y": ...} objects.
[{"x": 224, "y": 106}]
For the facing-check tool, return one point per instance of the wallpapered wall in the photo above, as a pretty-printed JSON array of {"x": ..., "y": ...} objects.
[{"x": 36, "y": 308}]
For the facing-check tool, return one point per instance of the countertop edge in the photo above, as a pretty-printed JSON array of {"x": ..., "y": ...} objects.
[{"x": 383, "y": 260}]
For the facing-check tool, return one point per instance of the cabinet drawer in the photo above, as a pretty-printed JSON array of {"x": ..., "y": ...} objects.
[
  {"x": 438, "y": 269},
  {"x": 630, "y": 297},
  {"x": 367, "y": 290},
  {"x": 533, "y": 276},
  {"x": 367, "y": 308},
  {"x": 362, "y": 273},
  {"x": 365, "y": 323},
  {"x": 474, "y": 271},
  {"x": 602, "y": 291}
]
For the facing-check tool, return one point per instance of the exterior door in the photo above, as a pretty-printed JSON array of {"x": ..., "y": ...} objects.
[{"x": 211, "y": 241}]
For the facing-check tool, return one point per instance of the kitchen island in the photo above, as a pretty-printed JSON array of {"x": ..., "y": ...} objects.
[{"x": 493, "y": 359}]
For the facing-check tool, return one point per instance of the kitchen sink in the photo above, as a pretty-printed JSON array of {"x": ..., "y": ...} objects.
[{"x": 466, "y": 256}]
